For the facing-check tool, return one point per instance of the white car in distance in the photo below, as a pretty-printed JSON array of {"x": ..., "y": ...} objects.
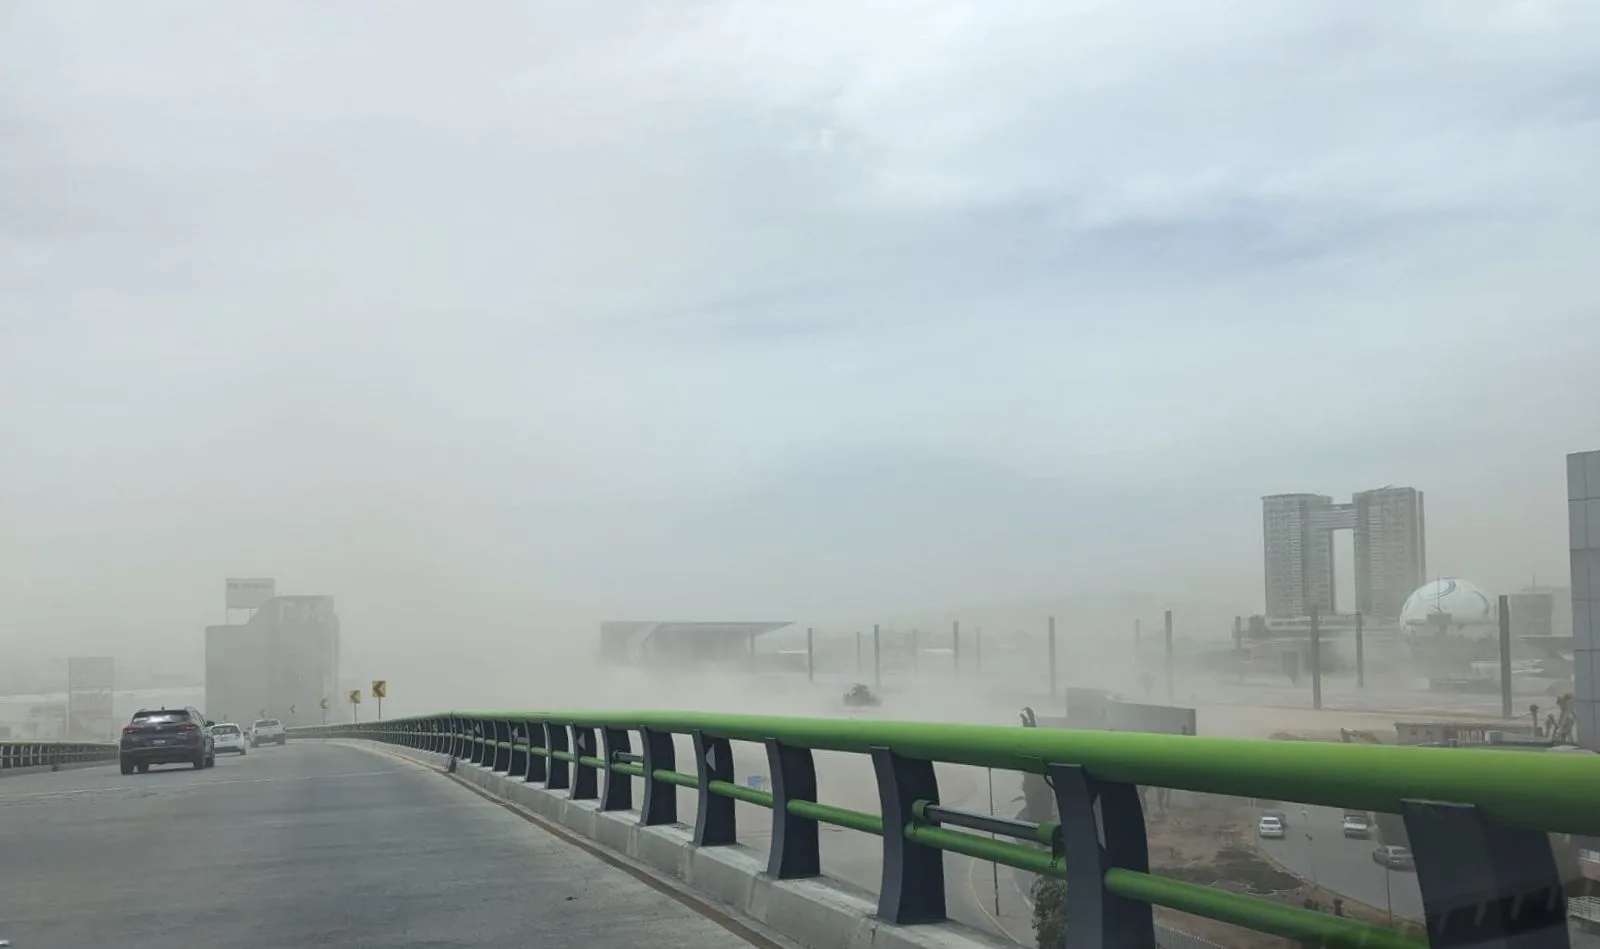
[
  {"x": 267, "y": 731},
  {"x": 226, "y": 736},
  {"x": 1270, "y": 828}
]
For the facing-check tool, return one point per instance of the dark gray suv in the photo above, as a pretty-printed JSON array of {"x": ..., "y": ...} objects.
[{"x": 166, "y": 736}]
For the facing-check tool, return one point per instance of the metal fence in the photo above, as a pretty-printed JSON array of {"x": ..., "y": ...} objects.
[
  {"x": 45, "y": 754},
  {"x": 1478, "y": 821}
]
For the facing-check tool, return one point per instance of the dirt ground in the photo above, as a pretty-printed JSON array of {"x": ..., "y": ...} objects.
[{"x": 1209, "y": 843}]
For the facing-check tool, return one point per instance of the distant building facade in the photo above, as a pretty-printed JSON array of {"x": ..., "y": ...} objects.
[
  {"x": 280, "y": 664},
  {"x": 1297, "y": 550},
  {"x": 1583, "y": 520}
]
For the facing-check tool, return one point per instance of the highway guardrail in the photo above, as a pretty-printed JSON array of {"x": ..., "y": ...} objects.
[
  {"x": 1479, "y": 821},
  {"x": 45, "y": 754}
]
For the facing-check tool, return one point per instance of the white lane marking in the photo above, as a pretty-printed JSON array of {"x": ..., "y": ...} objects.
[{"x": 206, "y": 784}]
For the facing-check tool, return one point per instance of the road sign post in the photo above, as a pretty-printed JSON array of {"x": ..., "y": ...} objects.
[
  {"x": 380, "y": 691},
  {"x": 355, "y": 705},
  {"x": 324, "y": 706}
]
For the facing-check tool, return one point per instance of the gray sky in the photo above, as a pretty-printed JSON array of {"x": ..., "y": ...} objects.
[{"x": 490, "y": 316}]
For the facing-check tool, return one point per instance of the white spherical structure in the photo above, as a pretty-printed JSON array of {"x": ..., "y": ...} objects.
[{"x": 1451, "y": 605}]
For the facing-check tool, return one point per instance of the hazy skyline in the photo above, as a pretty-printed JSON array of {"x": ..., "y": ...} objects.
[{"x": 519, "y": 316}]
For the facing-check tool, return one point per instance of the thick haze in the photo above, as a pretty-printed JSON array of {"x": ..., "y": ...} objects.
[{"x": 503, "y": 317}]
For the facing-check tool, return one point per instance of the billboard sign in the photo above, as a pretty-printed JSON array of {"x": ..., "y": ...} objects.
[
  {"x": 90, "y": 683},
  {"x": 250, "y": 593}
]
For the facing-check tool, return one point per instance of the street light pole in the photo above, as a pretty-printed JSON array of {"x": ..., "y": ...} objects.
[
  {"x": 1388, "y": 895},
  {"x": 994, "y": 867}
]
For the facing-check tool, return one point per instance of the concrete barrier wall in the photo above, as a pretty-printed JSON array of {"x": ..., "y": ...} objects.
[{"x": 820, "y": 913}]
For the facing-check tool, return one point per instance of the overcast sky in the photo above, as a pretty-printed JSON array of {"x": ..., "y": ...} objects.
[{"x": 520, "y": 315}]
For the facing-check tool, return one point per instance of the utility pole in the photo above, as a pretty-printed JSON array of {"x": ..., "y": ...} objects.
[
  {"x": 1052, "y": 637},
  {"x": 811, "y": 661},
  {"x": 955, "y": 645},
  {"x": 1172, "y": 691},
  {"x": 1316, "y": 659},
  {"x": 1361, "y": 655},
  {"x": 1505, "y": 656},
  {"x": 877, "y": 658}
]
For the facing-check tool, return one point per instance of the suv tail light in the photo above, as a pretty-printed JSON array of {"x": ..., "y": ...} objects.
[
  {"x": 129, "y": 729},
  {"x": 188, "y": 727}
]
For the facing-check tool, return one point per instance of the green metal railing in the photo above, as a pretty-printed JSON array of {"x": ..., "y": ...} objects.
[{"x": 1470, "y": 815}]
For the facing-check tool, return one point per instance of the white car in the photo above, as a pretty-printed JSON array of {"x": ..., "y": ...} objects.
[
  {"x": 227, "y": 736},
  {"x": 1270, "y": 828},
  {"x": 267, "y": 731}
]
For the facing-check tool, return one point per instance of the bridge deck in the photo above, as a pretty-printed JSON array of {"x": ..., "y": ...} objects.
[{"x": 308, "y": 845}]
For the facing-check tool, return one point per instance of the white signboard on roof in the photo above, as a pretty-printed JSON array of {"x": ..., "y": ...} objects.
[{"x": 250, "y": 593}]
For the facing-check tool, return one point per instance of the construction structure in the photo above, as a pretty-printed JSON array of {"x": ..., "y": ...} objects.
[{"x": 687, "y": 645}]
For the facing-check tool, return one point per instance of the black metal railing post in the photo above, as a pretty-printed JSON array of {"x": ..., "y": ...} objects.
[
  {"x": 660, "y": 805},
  {"x": 1102, "y": 828},
  {"x": 500, "y": 754},
  {"x": 555, "y": 739},
  {"x": 912, "y": 888},
  {"x": 795, "y": 851},
  {"x": 714, "y": 823},
  {"x": 538, "y": 765},
  {"x": 1484, "y": 883},
  {"x": 521, "y": 739},
  {"x": 480, "y": 745},
  {"x": 616, "y": 793},
  {"x": 585, "y": 783}
]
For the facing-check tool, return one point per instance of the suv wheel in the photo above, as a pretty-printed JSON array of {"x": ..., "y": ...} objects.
[
  {"x": 127, "y": 767},
  {"x": 199, "y": 761}
]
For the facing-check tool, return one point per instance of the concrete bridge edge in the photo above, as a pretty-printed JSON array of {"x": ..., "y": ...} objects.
[{"x": 818, "y": 913}]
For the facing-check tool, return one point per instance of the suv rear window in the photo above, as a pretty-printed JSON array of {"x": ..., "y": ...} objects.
[
  {"x": 269, "y": 722},
  {"x": 161, "y": 717},
  {"x": 225, "y": 730}
]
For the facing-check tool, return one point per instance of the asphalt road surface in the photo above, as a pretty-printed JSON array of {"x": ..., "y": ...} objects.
[
  {"x": 1314, "y": 847},
  {"x": 307, "y": 845}
]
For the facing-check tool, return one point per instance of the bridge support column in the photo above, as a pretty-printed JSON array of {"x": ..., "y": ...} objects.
[
  {"x": 912, "y": 889},
  {"x": 1485, "y": 884},
  {"x": 617, "y": 792},
  {"x": 1093, "y": 844},
  {"x": 555, "y": 739},
  {"x": 536, "y": 764},
  {"x": 714, "y": 823},
  {"x": 795, "y": 851},
  {"x": 660, "y": 798}
]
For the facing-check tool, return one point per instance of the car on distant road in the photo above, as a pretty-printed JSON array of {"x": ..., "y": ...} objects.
[
  {"x": 1394, "y": 857},
  {"x": 267, "y": 731},
  {"x": 1270, "y": 827},
  {"x": 166, "y": 736},
  {"x": 229, "y": 737},
  {"x": 1356, "y": 826}
]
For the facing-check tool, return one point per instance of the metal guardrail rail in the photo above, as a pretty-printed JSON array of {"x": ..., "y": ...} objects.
[
  {"x": 44, "y": 754},
  {"x": 1479, "y": 821}
]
